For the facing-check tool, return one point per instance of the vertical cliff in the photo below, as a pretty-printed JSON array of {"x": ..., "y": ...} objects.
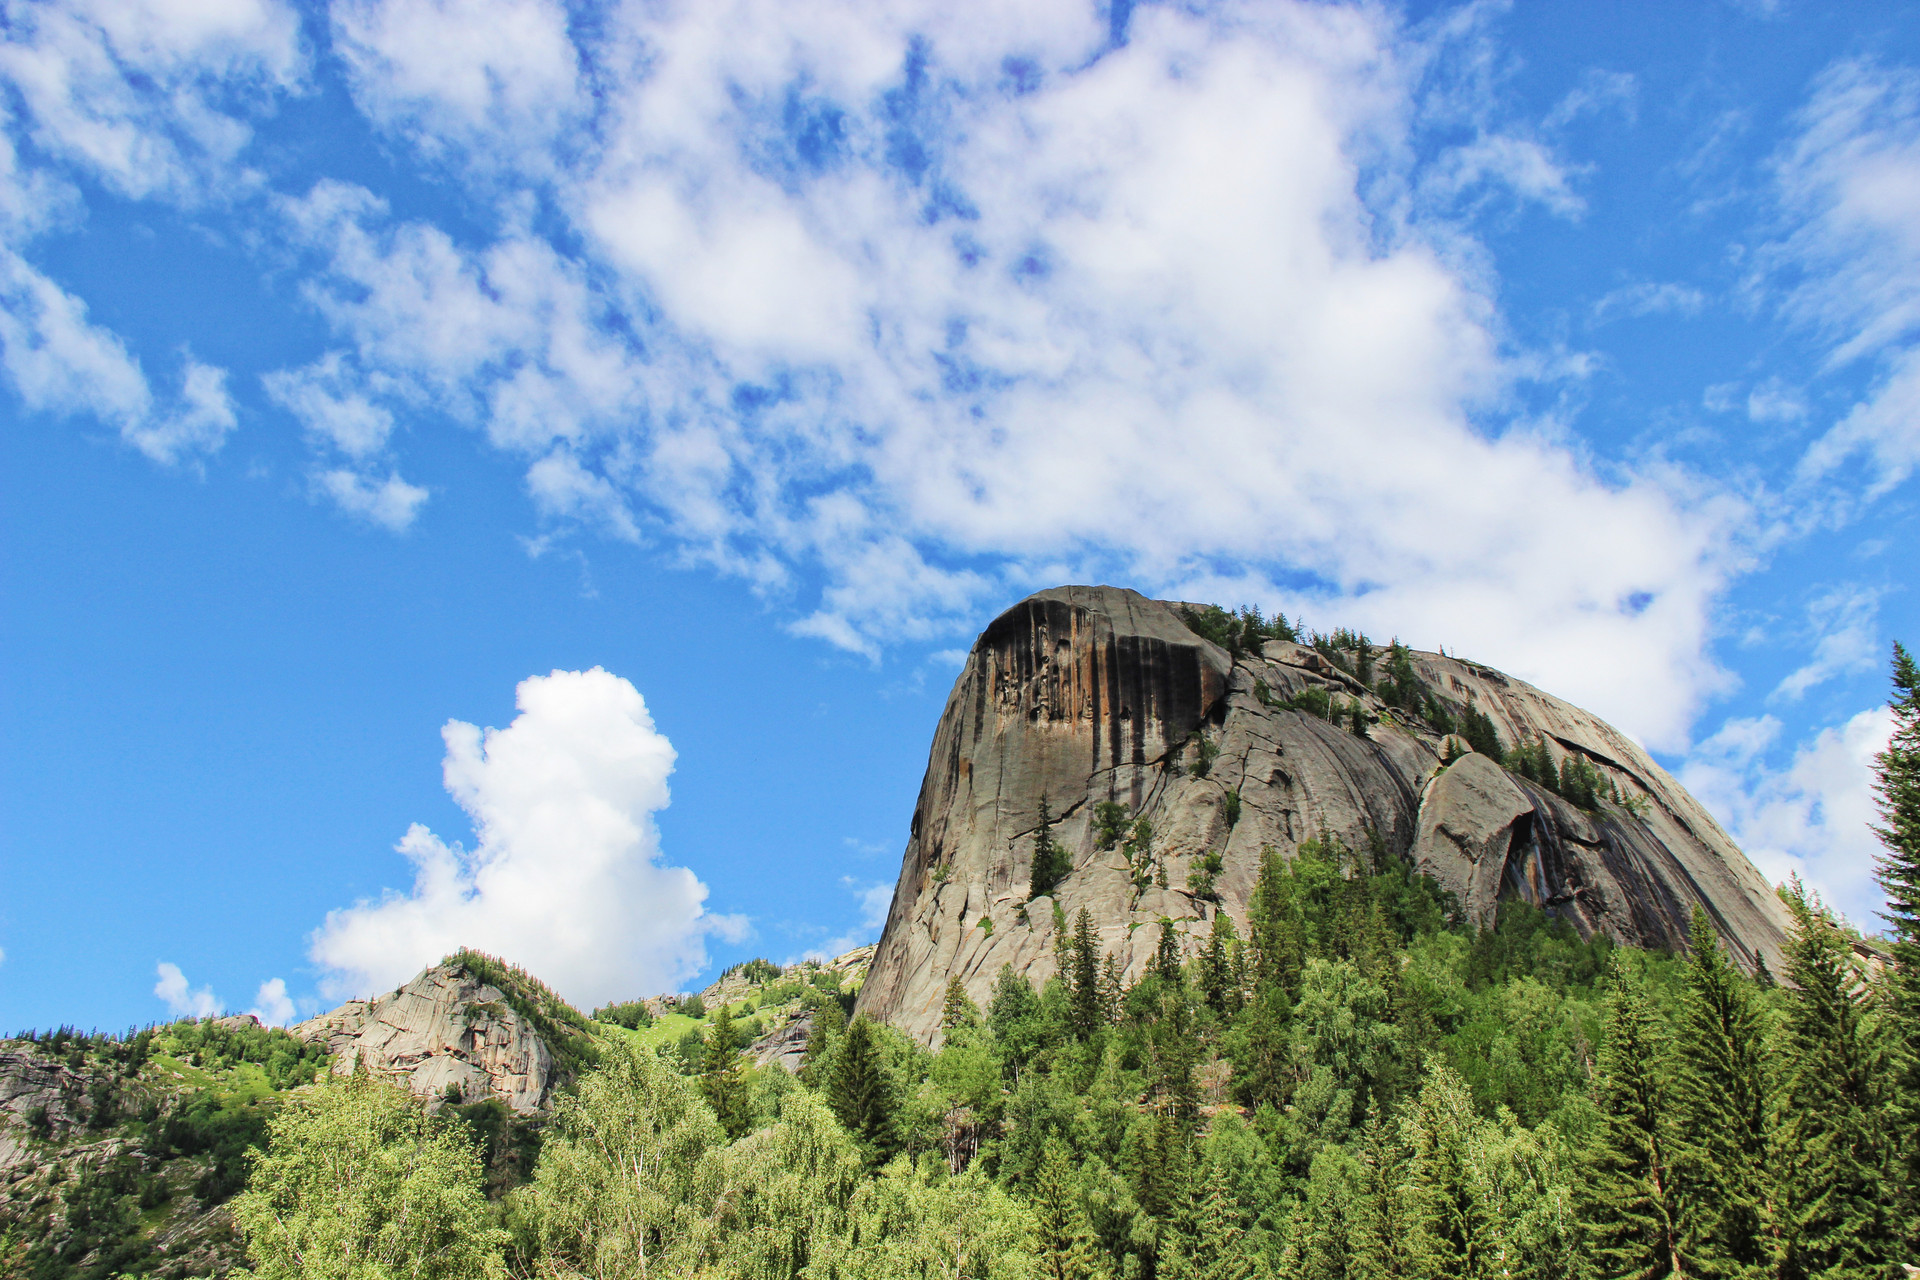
[{"x": 1083, "y": 695}]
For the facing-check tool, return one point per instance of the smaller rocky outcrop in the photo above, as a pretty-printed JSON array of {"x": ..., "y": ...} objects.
[
  {"x": 1469, "y": 817},
  {"x": 447, "y": 1035}
]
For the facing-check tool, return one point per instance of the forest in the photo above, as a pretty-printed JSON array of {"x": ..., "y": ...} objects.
[{"x": 1362, "y": 1086}]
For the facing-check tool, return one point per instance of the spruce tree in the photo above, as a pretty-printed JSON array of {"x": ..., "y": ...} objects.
[
  {"x": 1379, "y": 1238},
  {"x": 1166, "y": 953},
  {"x": 1063, "y": 1237},
  {"x": 860, "y": 1093},
  {"x": 1897, "y": 780},
  {"x": 1837, "y": 1221},
  {"x": 721, "y": 1082},
  {"x": 1046, "y": 871},
  {"x": 1084, "y": 977},
  {"x": 1722, "y": 1098},
  {"x": 1217, "y": 986},
  {"x": 1637, "y": 1215},
  {"x": 958, "y": 1013}
]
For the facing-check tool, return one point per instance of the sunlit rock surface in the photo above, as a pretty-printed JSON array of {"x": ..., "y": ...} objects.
[{"x": 1087, "y": 694}]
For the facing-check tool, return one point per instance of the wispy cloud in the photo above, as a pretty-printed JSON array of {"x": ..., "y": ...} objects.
[
  {"x": 1849, "y": 182},
  {"x": 1847, "y": 641}
]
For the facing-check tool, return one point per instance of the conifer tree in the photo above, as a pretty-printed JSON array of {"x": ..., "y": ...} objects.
[
  {"x": 1837, "y": 1219},
  {"x": 1084, "y": 977},
  {"x": 1454, "y": 1235},
  {"x": 958, "y": 1013},
  {"x": 1897, "y": 780},
  {"x": 1379, "y": 1237},
  {"x": 721, "y": 1082},
  {"x": 1217, "y": 985},
  {"x": 1721, "y": 1097},
  {"x": 860, "y": 1093},
  {"x": 1639, "y": 1219},
  {"x": 1063, "y": 1237},
  {"x": 1047, "y": 870},
  {"x": 1166, "y": 953},
  {"x": 1273, "y": 931},
  {"x": 1112, "y": 990}
]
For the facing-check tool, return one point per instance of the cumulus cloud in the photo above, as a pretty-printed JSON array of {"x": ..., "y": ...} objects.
[
  {"x": 181, "y": 999},
  {"x": 271, "y": 1004},
  {"x": 565, "y": 875},
  {"x": 1813, "y": 817},
  {"x": 897, "y": 313},
  {"x": 1849, "y": 180}
]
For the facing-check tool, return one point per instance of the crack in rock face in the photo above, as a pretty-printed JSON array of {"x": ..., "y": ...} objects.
[{"x": 1085, "y": 695}]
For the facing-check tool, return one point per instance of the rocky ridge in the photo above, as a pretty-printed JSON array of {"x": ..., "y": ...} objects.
[{"x": 1085, "y": 695}]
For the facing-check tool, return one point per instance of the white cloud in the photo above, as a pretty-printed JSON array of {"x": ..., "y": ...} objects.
[
  {"x": 486, "y": 76},
  {"x": 1648, "y": 298},
  {"x": 930, "y": 322},
  {"x": 1814, "y": 817},
  {"x": 60, "y": 362},
  {"x": 271, "y": 1004},
  {"x": 565, "y": 877},
  {"x": 875, "y": 900},
  {"x": 333, "y": 409},
  {"x": 137, "y": 91},
  {"x": 1849, "y": 640},
  {"x": 1850, "y": 181},
  {"x": 391, "y": 503},
  {"x": 182, "y": 1001}
]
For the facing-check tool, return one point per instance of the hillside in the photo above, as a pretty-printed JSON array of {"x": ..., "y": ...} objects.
[{"x": 1154, "y": 751}]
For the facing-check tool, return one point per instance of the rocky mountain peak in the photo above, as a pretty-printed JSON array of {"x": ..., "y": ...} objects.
[{"x": 1168, "y": 762}]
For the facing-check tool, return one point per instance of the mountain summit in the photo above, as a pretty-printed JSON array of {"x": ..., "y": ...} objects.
[{"x": 1149, "y": 752}]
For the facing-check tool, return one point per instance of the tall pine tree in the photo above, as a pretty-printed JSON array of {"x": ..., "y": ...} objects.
[
  {"x": 861, "y": 1095},
  {"x": 1897, "y": 777},
  {"x": 1089, "y": 1010},
  {"x": 1638, "y": 1218},
  {"x": 1063, "y": 1245},
  {"x": 1723, "y": 1100},
  {"x": 1836, "y": 1216},
  {"x": 721, "y": 1082}
]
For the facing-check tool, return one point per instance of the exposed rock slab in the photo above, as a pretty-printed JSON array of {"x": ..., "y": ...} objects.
[
  {"x": 443, "y": 1031},
  {"x": 1086, "y": 694}
]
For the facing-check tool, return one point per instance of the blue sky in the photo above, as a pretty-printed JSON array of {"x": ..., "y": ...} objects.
[{"x": 522, "y": 473}]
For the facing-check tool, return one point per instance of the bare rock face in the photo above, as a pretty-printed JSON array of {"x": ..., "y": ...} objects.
[
  {"x": 1090, "y": 694},
  {"x": 444, "y": 1029}
]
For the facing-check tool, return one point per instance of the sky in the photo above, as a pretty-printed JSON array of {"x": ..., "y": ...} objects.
[{"x": 525, "y": 475}]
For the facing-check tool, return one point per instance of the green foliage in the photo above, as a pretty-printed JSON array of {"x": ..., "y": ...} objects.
[
  {"x": 1230, "y": 809},
  {"x": 861, "y": 1094},
  {"x": 568, "y": 1033},
  {"x": 1897, "y": 784},
  {"x": 1836, "y": 1218},
  {"x": 1206, "y": 751},
  {"x": 358, "y": 1181},
  {"x": 1477, "y": 727},
  {"x": 631, "y": 1014},
  {"x": 758, "y": 970},
  {"x": 1641, "y": 1220},
  {"x": 1314, "y": 701},
  {"x": 1109, "y": 824},
  {"x": 1200, "y": 878},
  {"x": 721, "y": 1082},
  {"x": 692, "y": 1007},
  {"x": 1051, "y": 860}
]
